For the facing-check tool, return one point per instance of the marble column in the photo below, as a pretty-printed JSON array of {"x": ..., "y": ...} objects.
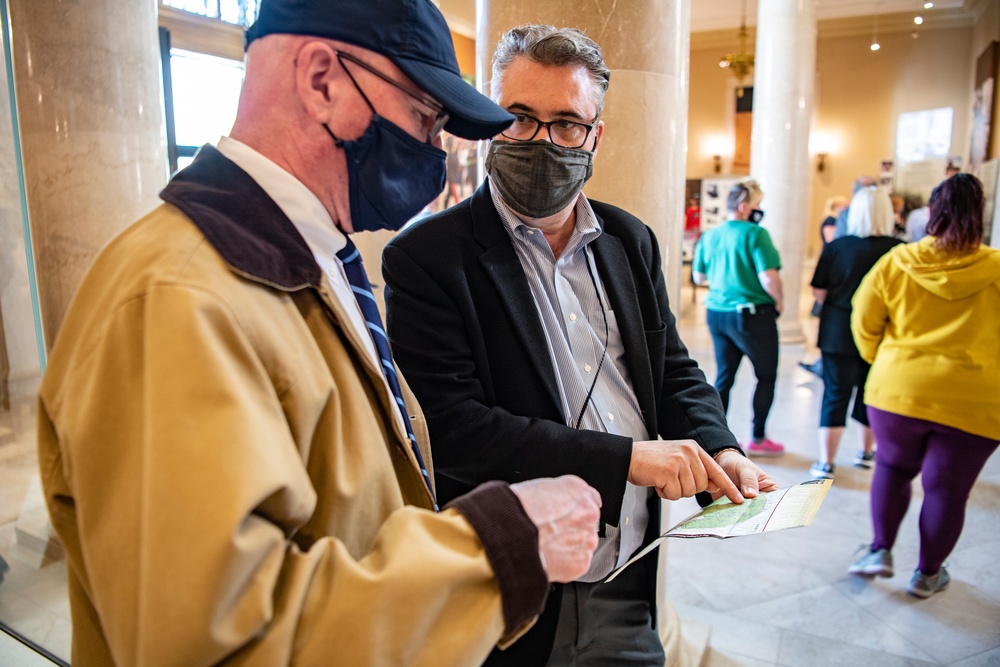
[
  {"x": 641, "y": 162},
  {"x": 784, "y": 73},
  {"x": 89, "y": 101}
]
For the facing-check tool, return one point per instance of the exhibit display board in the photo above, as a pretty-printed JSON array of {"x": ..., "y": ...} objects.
[{"x": 713, "y": 200}]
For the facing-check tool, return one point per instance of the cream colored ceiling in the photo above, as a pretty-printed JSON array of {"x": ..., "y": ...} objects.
[
  {"x": 721, "y": 14},
  {"x": 711, "y": 15}
]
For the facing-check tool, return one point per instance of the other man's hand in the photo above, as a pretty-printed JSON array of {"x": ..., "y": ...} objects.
[{"x": 566, "y": 511}]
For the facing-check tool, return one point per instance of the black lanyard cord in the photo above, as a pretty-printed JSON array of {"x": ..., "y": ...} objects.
[{"x": 604, "y": 352}]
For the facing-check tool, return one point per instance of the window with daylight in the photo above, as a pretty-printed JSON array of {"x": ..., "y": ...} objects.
[
  {"x": 201, "y": 52},
  {"x": 205, "y": 92},
  {"x": 239, "y": 12}
]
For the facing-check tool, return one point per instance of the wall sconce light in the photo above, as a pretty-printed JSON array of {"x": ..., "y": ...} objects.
[
  {"x": 824, "y": 143},
  {"x": 717, "y": 147}
]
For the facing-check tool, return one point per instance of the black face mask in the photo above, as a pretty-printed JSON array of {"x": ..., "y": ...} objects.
[
  {"x": 756, "y": 216},
  {"x": 391, "y": 176}
]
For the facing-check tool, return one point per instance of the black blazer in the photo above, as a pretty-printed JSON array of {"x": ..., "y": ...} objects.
[{"x": 464, "y": 331}]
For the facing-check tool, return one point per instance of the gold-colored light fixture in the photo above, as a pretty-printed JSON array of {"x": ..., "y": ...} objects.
[
  {"x": 740, "y": 64},
  {"x": 821, "y": 161}
]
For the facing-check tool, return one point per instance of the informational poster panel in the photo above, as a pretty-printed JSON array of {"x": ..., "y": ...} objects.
[
  {"x": 920, "y": 177},
  {"x": 714, "y": 192}
]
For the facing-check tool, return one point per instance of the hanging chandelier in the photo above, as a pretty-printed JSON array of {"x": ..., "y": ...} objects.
[{"x": 740, "y": 64}]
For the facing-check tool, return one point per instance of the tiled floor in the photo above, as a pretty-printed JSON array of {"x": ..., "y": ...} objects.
[
  {"x": 786, "y": 599},
  {"x": 780, "y": 599}
]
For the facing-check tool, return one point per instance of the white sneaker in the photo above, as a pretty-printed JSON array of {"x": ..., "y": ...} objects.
[
  {"x": 864, "y": 460},
  {"x": 820, "y": 470}
]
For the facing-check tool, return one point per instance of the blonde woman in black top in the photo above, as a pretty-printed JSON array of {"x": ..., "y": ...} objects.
[{"x": 841, "y": 267}]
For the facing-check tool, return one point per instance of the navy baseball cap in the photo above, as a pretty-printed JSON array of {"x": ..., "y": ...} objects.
[{"x": 410, "y": 33}]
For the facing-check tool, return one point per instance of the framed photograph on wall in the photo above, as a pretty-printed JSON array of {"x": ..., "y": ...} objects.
[{"x": 982, "y": 107}]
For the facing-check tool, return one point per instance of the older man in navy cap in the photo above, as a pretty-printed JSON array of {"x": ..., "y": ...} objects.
[{"x": 235, "y": 468}]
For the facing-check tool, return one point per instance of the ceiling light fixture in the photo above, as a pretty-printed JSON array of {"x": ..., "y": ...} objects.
[
  {"x": 928, "y": 5},
  {"x": 740, "y": 63},
  {"x": 919, "y": 20},
  {"x": 875, "y": 45}
]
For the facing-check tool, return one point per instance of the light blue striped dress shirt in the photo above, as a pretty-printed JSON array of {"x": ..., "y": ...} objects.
[{"x": 569, "y": 297}]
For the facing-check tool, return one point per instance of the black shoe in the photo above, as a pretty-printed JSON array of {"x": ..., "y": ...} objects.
[{"x": 816, "y": 368}]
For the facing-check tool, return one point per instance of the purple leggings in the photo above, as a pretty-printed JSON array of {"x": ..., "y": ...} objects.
[{"x": 950, "y": 461}]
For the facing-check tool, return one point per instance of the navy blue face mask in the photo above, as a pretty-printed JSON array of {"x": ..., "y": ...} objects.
[
  {"x": 756, "y": 215},
  {"x": 391, "y": 176}
]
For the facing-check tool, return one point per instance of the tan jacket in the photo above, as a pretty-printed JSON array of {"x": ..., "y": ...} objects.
[{"x": 220, "y": 459}]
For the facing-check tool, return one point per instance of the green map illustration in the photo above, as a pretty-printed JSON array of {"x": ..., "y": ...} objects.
[{"x": 725, "y": 514}]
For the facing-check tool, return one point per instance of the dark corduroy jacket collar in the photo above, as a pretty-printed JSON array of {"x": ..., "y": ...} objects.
[{"x": 246, "y": 226}]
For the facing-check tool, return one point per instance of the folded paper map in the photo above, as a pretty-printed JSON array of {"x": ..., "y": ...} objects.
[{"x": 776, "y": 510}]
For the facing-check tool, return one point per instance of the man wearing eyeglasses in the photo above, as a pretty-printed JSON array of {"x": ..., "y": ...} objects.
[
  {"x": 236, "y": 470},
  {"x": 534, "y": 327}
]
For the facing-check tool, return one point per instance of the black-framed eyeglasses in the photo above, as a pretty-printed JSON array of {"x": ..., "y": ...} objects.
[
  {"x": 441, "y": 118},
  {"x": 565, "y": 133}
]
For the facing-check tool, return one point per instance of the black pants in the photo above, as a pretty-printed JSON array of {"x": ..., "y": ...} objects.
[
  {"x": 608, "y": 625},
  {"x": 843, "y": 375},
  {"x": 754, "y": 335}
]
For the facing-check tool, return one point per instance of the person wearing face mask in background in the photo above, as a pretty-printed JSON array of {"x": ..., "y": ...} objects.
[
  {"x": 228, "y": 455},
  {"x": 533, "y": 325},
  {"x": 739, "y": 263}
]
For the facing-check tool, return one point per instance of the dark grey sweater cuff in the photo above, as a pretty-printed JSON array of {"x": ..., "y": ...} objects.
[{"x": 511, "y": 543}]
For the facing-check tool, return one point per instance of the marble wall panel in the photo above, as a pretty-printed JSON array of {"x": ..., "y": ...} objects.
[{"x": 18, "y": 334}]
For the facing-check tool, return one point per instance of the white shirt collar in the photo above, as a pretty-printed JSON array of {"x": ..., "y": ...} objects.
[
  {"x": 586, "y": 219},
  {"x": 298, "y": 202}
]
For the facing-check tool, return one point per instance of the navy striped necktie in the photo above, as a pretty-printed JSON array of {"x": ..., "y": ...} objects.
[{"x": 362, "y": 289}]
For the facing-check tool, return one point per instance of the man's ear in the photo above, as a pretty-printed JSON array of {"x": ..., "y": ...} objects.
[
  {"x": 598, "y": 133},
  {"x": 316, "y": 74}
]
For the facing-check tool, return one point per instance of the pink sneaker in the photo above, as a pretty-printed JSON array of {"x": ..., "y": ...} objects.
[{"x": 766, "y": 448}]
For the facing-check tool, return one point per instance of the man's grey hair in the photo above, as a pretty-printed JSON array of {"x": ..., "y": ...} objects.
[{"x": 549, "y": 45}]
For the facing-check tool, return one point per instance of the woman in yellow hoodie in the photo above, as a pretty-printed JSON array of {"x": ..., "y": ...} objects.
[{"x": 927, "y": 318}]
